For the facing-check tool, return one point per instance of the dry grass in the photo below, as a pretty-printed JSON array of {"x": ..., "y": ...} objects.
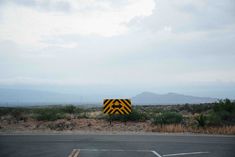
[
  {"x": 102, "y": 125},
  {"x": 169, "y": 128},
  {"x": 229, "y": 130}
]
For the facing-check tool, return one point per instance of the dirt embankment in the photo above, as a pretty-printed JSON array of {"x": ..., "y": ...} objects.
[{"x": 96, "y": 125}]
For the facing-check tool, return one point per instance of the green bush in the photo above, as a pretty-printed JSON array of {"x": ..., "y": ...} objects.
[
  {"x": 201, "y": 120},
  {"x": 196, "y": 108},
  {"x": 17, "y": 113},
  {"x": 199, "y": 108},
  {"x": 69, "y": 109},
  {"x": 223, "y": 113},
  {"x": 135, "y": 115},
  {"x": 214, "y": 119},
  {"x": 168, "y": 118},
  {"x": 5, "y": 111},
  {"x": 224, "y": 105},
  {"x": 48, "y": 114}
]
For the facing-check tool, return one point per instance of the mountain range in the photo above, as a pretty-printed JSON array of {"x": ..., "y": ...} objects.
[
  {"x": 146, "y": 98},
  {"x": 26, "y": 96}
]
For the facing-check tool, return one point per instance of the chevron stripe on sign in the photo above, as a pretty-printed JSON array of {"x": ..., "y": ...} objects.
[{"x": 117, "y": 106}]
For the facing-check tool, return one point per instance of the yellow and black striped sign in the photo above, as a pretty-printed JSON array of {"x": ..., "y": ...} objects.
[{"x": 117, "y": 106}]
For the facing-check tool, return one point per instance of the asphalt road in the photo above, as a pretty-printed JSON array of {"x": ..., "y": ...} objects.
[{"x": 117, "y": 145}]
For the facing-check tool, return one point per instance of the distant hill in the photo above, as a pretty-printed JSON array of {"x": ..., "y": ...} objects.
[
  {"x": 28, "y": 96},
  {"x": 38, "y": 97},
  {"x": 148, "y": 98}
]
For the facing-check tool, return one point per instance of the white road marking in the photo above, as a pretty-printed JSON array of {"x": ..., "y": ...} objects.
[
  {"x": 117, "y": 150},
  {"x": 180, "y": 154},
  {"x": 74, "y": 153},
  {"x": 124, "y": 150},
  {"x": 143, "y": 150},
  {"x": 155, "y": 153}
]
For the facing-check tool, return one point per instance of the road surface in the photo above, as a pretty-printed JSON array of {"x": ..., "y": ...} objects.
[{"x": 117, "y": 145}]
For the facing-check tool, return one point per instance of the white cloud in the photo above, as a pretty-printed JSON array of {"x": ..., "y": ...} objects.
[
  {"x": 85, "y": 42},
  {"x": 29, "y": 26}
]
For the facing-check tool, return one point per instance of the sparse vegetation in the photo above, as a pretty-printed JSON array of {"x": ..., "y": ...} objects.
[
  {"x": 135, "y": 115},
  {"x": 223, "y": 113},
  {"x": 216, "y": 117},
  {"x": 40, "y": 113},
  {"x": 201, "y": 120},
  {"x": 168, "y": 118},
  {"x": 48, "y": 114},
  {"x": 69, "y": 109}
]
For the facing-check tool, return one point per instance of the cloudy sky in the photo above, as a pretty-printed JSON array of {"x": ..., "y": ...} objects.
[{"x": 119, "y": 47}]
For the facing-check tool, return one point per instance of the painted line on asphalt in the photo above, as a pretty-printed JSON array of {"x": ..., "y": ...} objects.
[
  {"x": 143, "y": 150},
  {"x": 117, "y": 150},
  {"x": 124, "y": 150},
  {"x": 181, "y": 154},
  {"x": 74, "y": 153},
  {"x": 156, "y": 153}
]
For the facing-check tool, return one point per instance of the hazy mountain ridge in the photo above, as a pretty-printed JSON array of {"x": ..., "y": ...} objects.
[
  {"x": 27, "y": 96},
  {"x": 169, "y": 98},
  {"x": 30, "y": 96}
]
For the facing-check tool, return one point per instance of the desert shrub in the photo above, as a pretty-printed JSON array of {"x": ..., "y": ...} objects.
[
  {"x": 69, "y": 109},
  {"x": 214, "y": 119},
  {"x": 196, "y": 108},
  {"x": 186, "y": 107},
  {"x": 17, "y": 113},
  {"x": 168, "y": 118},
  {"x": 224, "y": 105},
  {"x": 157, "y": 110},
  {"x": 135, "y": 115},
  {"x": 223, "y": 113},
  {"x": 4, "y": 111},
  {"x": 48, "y": 114},
  {"x": 201, "y": 120},
  {"x": 199, "y": 108}
]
